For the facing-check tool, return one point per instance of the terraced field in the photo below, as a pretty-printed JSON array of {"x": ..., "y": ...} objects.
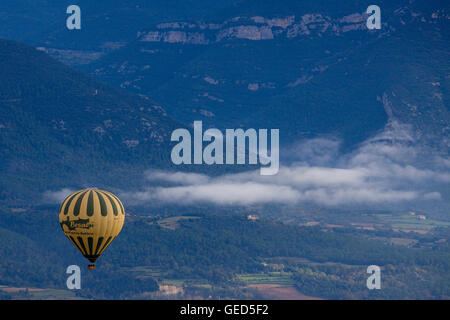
[
  {"x": 38, "y": 293},
  {"x": 408, "y": 222},
  {"x": 172, "y": 223},
  {"x": 266, "y": 278}
]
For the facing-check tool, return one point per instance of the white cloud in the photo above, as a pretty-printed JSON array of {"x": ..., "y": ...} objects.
[
  {"x": 432, "y": 196},
  {"x": 389, "y": 168},
  {"x": 57, "y": 196},
  {"x": 220, "y": 193},
  {"x": 176, "y": 177},
  {"x": 383, "y": 170}
]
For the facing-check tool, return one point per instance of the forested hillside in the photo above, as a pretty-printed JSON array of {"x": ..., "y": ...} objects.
[
  {"x": 59, "y": 125},
  {"x": 215, "y": 250}
]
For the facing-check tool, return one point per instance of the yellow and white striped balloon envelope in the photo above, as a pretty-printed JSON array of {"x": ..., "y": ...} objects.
[{"x": 91, "y": 219}]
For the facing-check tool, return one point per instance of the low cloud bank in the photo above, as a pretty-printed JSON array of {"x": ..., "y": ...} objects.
[
  {"x": 57, "y": 196},
  {"x": 387, "y": 168}
]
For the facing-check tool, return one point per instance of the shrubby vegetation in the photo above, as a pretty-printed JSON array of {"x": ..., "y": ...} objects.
[
  {"x": 114, "y": 284},
  {"x": 215, "y": 249}
]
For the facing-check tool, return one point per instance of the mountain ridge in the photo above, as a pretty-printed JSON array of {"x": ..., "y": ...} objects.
[
  {"x": 256, "y": 71},
  {"x": 59, "y": 125}
]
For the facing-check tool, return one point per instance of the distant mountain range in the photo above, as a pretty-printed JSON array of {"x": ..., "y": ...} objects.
[
  {"x": 364, "y": 122},
  {"x": 309, "y": 68},
  {"x": 106, "y": 24}
]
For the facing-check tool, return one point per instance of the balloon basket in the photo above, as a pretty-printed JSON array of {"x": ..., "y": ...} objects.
[{"x": 91, "y": 266}]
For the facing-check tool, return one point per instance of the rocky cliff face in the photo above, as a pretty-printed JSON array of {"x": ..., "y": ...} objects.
[
  {"x": 253, "y": 28},
  {"x": 309, "y": 73},
  {"x": 265, "y": 28}
]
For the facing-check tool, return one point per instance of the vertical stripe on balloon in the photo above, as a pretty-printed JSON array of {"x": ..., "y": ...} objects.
[
  {"x": 66, "y": 209},
  {"x": 76, "y": 209},
  {"x": 103, "y": 208},
  {"x": 90, "y": 204}
]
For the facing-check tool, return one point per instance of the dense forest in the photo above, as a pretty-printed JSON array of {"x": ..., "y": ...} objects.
[{"x": 215, "y": 248}]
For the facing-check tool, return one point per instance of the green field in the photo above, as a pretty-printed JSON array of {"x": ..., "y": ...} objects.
[
  {"x": 410, "y": 222},
  {"x": 266, "y": 278},
  {"x": 161, "y": 276},
  {"x": 53, "y": 294},
  {"x": 397, "y": 241},
  {"x": 172, "y": 223},
  {"x": 146, "y": 271},
  {"x": 41, "y": 294}
]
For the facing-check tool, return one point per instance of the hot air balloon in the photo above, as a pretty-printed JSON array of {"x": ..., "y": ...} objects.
[{"x": 91, "y": 219}]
